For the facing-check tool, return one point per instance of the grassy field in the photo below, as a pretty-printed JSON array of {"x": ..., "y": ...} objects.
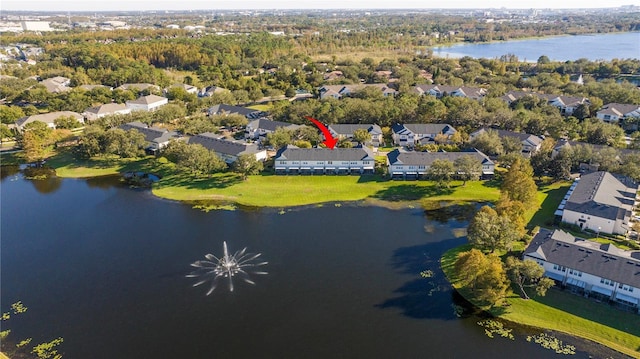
[
  {"x": 285, "y": 191},
  {"x": 67, "y": 166},
  {"x": 549, "y": 197},
  {"x": 563, "y": 312}
]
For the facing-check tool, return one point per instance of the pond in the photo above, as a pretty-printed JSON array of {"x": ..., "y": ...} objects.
[{"x": 104, "y": 266}]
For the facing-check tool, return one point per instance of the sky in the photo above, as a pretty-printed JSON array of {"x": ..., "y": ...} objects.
[{"x": 133, "y": 5}]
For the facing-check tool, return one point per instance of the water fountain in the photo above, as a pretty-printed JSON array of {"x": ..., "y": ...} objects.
[{"x": 229, "y": 265}]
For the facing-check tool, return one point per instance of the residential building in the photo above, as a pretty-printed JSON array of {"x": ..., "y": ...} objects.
[
  {"x": 187, "y": 88},
  {"x": 597, "y": 270},
  {"x": 262, "y": 126},
  {"x": 438, "y": 91},
  {"x": 404, "y": 165},
  {"x": 48, "y": 118},
  {"x": 147, "y": 103},
  {"x": 223, "y": 109},
  {"x": 601, "y": 202},
  {"x": 157, "y": 137},
  {"x": 342, "y": 131},
  {"x": 294, "y": 160},
  {"x": 566, "y": 104},
  {"x": 210, "y": 90},
  {"x": 616, "y": 112},
  {"x": 92, "y": 87},
  {"x": 530, "y": 143},
  {"x": 228, "y": 150},
  {"x": 411, "y": 134},
  {"x": 57, "y": 84},
  {"x": 38, "y": 26},
  {"x": 340, "y": 91},
  {"x": 96, "y": 112}
]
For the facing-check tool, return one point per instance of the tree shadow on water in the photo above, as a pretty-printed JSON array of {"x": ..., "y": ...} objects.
[
  {"x": 428, "y": 295},
  {"x": 410, "y": 192}
]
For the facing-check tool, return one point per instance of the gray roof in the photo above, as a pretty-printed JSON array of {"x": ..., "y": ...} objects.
[
  {"x": 603, "y": 195},
  {"x": 422, "y": 128},
  {"x": 396, "y": 157},
  {"x": 48, "y": 117},
  {"x": 147, "y": 100},
  {"x": 349, "y": 129},
  {"x": 107, "y": 108},
  {"x": 294, "y": 153},
  {"x": 229, "y": 109},
  {"x": 212, "y": 142},
  {"x": 533, "y": 139},
  {"x": 269, "y": 125},
  {"x": 151, "y": 134},
  {"x": 619, "y": 109},
  {"x": 601, "y": 260}
]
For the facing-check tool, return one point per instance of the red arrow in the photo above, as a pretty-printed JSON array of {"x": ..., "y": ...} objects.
[{"x": 329, "y": 140}]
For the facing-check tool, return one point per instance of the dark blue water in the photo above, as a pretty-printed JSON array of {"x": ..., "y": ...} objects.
[
  {"x": 563, "y": 48},
  {"x": 104, "y": 267}
]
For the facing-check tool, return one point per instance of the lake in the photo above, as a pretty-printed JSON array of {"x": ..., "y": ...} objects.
[
  {"x": 104, "y": 266},
  {"x": 562, "y": 48}
]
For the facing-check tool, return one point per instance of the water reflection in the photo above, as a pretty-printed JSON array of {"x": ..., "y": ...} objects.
[{"x": 44, "y": 179}]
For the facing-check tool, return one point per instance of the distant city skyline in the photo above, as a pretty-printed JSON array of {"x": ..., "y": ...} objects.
[{"x": 128, "y": 5}]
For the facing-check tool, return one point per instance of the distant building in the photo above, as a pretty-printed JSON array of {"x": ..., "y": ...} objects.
[
  {"x": 339, "y": 91},
  {"x": 138, "y": 87},
  {"x": 411, "y": 134},
  {"x": 57, "y": 84},
  {"x": 36, "y": 26},
  {"x": 342, "y": 131},
  {"x": 147, "y": 103},
  {"x": 229, "y": 151},
  {"x": 530, "y": 143},
  {"x": 263, "y": 126},
  {"x": 96, "y": 112},
  {"x": 48, "y": 118},
  {"x": 438, "y": 91},
  {"x": 617, "y": 112},
  {"x": 157, "y": 137}
]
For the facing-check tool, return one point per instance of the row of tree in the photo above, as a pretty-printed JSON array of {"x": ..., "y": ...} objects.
[{"x": 494, "y": 230}]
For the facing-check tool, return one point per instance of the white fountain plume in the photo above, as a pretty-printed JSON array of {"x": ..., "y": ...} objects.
[{"x": 227, "y": 266}]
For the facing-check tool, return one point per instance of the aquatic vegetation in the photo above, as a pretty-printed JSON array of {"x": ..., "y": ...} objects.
[
  {"x": 494, "y": 327},
  {"x": 239, "y": 264},
  {"x": 552, "y": 343}
]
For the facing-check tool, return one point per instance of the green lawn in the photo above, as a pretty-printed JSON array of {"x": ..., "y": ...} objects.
[
  {"x": 67, "y": 166},
  {"x": 563, "y": 312},
  {"x": 284, "y": 191},
  {"x": 549, "y": 197}
]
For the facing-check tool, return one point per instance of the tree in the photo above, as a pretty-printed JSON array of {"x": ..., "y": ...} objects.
[
  {"x": 518, "y": 183},
  {"x": 91, "y": 142},
  {"x": 483, "y": 275},
  {"x": 9, "y": 114},
  {"x": 469, "y": 168},
  {"x": 126, "y": 144},
  {"x": 247, "y": 164},
  {"x": 68, "y": 123},
  {"x": 194, "y": 158},
  {"x": 441, "y": 172},
  {"x": 36, "y": 137},
  {"x": 279, "y": 138},
  {"x": 488, "y": 142},
  {"x": 489, "y": 231},
  {"x": 361, "y": 136},
  {"x": 528, "y": 274}
]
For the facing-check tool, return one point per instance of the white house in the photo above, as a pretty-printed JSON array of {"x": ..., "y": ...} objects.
[
  {"x": 229, "y": 151},
  {"x": 48, "y": 118},
  {"x": 602, "y": 271},
  {"x": 94, "y": 113},
  {"x": 411, "y": 134},
  {"x": 147, "y": 103},
  {"x": 339, "y": 91},
  {"x": 294, "y": 160},
  {"x": 187, "y": 88},
  {"x": 342, "y": 131},
  {"x": 438, "y": 91},
  {"x": 157, "y": 137},
  {"x": 601, "y": 202},
  {"x": 566, "y": 104},
  {"x": 616, "y": 112},
  {"x": 416, "y": 164}
]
